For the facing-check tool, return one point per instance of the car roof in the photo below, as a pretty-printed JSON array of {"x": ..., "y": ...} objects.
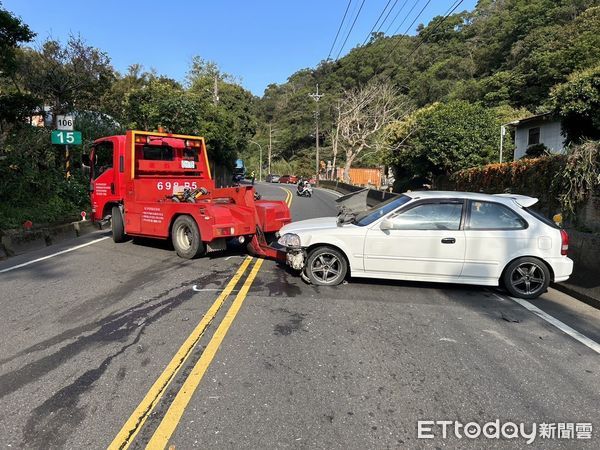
[{"x": 522, "y": 200}]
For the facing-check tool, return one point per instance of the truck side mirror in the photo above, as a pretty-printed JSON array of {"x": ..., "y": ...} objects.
[{"x": 386, "y": 224}]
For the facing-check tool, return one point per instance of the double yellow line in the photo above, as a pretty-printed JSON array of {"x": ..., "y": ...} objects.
[
  {"x": 288, "y": 196},
  {"x": 171, "y": 419}
]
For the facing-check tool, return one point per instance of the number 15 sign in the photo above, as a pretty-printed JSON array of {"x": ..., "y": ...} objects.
[{"x": 61, "y": 137}]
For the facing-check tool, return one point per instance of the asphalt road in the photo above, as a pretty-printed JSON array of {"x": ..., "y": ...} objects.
[{"x": 127, "y": 345}]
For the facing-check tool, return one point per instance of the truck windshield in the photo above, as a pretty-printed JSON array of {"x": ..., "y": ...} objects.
[{"x": 371, "y": 215}]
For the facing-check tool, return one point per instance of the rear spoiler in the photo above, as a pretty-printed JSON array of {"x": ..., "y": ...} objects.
[{"x": 521, "y": 200}]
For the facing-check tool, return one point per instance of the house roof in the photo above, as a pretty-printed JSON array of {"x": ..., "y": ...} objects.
[{"x": 535, "y": 118}]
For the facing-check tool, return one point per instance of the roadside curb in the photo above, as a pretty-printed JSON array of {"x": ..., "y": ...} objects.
[
  {"x": 591, "y": 301},
  {"x": 16, "y": 242}
]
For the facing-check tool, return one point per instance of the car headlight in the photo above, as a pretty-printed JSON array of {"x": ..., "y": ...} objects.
[{"x": 289, "y": 240}]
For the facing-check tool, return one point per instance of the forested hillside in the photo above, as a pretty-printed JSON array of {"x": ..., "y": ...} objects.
[
  {"x": 503, "y": 58},
  {"x": 426, "y": 105}
]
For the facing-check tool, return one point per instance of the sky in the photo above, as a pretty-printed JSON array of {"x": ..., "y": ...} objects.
[{"x": 258, "y": 41}]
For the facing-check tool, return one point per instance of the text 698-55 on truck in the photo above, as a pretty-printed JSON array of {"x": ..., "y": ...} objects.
[{"x": 159, "y": 185}]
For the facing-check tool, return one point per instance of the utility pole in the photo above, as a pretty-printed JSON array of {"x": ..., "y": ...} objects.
[
  {"x": 260, "y": 159},
  {"x": 216, "y": 90},
  {"x": 270, "y": 133},
  {"x": 316, "y": 97},
  {"x": 502, "y": 133}
]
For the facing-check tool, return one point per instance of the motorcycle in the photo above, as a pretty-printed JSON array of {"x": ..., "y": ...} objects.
[{"x": 304, "y": 191}]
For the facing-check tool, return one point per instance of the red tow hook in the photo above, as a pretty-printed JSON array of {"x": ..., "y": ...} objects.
[{"x": 262, "y": 250}]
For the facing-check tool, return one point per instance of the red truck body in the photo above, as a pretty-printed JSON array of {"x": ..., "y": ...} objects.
[{"x": 140, "y": 172}]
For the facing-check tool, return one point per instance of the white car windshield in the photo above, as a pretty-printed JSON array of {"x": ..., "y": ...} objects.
[{"x": 371, "y": 215}]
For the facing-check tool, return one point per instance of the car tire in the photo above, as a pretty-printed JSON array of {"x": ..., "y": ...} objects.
[
  {"x": 526, "y": 278},
  {"x": 186, "y": 238},
  {"x": 117, "y": 225},
  {"x": 326, "y": 266}
]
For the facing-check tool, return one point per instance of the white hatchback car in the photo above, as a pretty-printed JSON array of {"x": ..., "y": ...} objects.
[{"x": 449, "y": 237}]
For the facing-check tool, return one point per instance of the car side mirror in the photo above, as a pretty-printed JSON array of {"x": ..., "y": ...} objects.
[{"x": 386, "y": 224}]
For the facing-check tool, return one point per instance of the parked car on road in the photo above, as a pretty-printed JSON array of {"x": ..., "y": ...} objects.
[
  {"x": 272, "y": 178},
  {"x": 288, "y": 179},
  {"x": 454, "y": 237}
]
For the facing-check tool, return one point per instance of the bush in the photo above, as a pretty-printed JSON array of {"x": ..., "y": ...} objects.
[
  {"x": 532, "y": 177},
  {"x": 559, "y": 181},
  {"x": 32, "y": 182},
  {"x": 536, "y": 151}
]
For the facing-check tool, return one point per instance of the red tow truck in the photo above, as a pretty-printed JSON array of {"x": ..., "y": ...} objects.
[{"x": 159, "y": 185}]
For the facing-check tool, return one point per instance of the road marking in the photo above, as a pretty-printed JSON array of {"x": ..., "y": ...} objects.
[
  {"x": 557, "y": 323},
  {"x": 195, "y": 288},
  {"x": 137, "y": 419},
  {"x": 77, "y": 247},
  {"x": 169, "y": 423},
  {"x": 288, "y": 196}
]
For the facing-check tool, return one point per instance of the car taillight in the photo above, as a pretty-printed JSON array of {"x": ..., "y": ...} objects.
[{"x": 564, "y": 245}]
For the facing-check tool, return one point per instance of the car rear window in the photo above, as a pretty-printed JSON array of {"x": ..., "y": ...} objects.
[
  {"x": 493, "y": 216},
  {"x": 540, "y": 216}
]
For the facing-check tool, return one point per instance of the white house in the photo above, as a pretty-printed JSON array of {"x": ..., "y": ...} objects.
[{"x": 540, "y": 129}]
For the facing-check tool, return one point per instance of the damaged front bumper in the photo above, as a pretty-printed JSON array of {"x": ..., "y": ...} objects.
[{"x": 295, "y": 258}]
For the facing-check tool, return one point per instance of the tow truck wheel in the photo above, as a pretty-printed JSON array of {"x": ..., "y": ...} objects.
[
  {"x": 118, "y": 227},
  {"x": 326, "y": 266},
  {"x": 186, "y": 238}
]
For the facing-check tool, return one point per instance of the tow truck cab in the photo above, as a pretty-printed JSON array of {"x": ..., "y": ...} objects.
[{"x": 138, "y": 179}]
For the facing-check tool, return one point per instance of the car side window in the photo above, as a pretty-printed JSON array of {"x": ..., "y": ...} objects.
[
  {"x": 493, "y": 216},
  {"x": 430, "y": 216}
]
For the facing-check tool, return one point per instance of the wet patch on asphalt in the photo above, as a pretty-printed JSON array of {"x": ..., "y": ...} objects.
[{"x": 292, "y": 323}]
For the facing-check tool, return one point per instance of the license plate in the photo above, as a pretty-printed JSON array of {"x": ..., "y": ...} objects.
[{"x": 188, "y": 164}]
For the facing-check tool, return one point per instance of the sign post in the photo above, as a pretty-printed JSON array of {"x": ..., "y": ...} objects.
[{"x": 66, "y": 136}]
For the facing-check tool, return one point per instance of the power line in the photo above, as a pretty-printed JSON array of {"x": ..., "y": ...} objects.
[
  {"x": 414, "y": 20},
  {"x": 387, "y": 15},
  {"x": 351, "y": 28},
  {"x": 407, "y": 29},
  {"x": 339, "y": 29},
  {"x": 422, "y": 38},
  {"x": 379, "y": 18},
  {"x": 396, "y": 16}
]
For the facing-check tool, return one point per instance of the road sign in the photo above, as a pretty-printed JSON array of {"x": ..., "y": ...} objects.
[
  {"x": 64, "y": 123},
  {"x": 62, "y": 137}
]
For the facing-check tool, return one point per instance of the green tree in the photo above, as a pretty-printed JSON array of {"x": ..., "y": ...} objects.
[
  {"x": 13, "y": 32},
  {"x": 70, "y": 77},
  {"x": 443, "y": 138},
  {"x": 15, "y": 105},
  {"x": 577, "y": 103}
]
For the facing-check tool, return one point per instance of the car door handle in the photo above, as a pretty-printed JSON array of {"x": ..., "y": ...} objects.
[{"x": 448, "y": 241}]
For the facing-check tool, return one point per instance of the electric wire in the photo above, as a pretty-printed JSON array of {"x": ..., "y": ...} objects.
[
  {"x": 439, "y": 24},
  {"x": 378, "y": 19},
  {"x": 351, "y": 28},
  {"x": 339, "y": 29}
]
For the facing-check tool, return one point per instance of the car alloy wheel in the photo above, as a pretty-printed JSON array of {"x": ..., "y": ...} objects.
[
  {"x": 326, "y": 268},
  {"x": 528, "y": 279}
]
